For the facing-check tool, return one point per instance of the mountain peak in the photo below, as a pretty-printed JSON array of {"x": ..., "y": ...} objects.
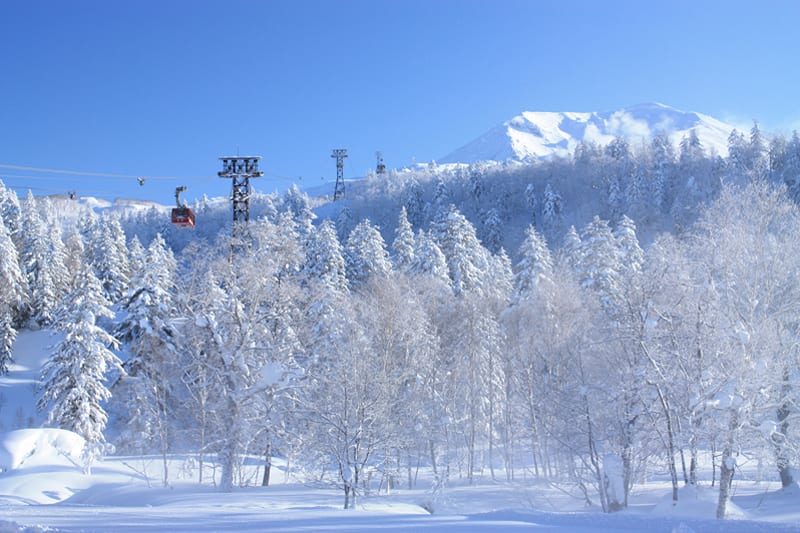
[{"x": 534, "y": 135}]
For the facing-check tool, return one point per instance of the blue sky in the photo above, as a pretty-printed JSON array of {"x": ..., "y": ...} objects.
[{"x": 163, "y": 88}]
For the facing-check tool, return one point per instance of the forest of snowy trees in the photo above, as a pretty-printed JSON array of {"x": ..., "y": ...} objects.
[{"x": 645, "y": 317}]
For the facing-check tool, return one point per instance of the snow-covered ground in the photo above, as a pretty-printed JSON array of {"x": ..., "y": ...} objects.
[{"x": 43, "y": 487}]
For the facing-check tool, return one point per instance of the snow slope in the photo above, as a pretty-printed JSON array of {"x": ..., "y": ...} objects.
[
  {"x": 43, "y": 487},
  {"x": 533, "y": 135}
]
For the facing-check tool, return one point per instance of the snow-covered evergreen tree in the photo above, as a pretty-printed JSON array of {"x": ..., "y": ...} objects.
[
  {"x": 73, "y": 379},
  {"x": 403, "y": 243},
  {"x": 325, "y": 261},
  {"x": 552, "y": 208},
  {"x": 493, "y": 231},
  {"x": 152, "y": 367},
  {"x": 632, "y": 255},
  {"x": 11, "y": 213},
  {"x": 297, "y": 203},
  {"x": 662, "y": 180},
  {"x": 109, "y": 255},
  {"x": 757, "y": 155},
  {"x": 571, "y": 249},
  {"x": 365, "y": 254},
  {"x": 530, "y": 201},
  {"x": 428, "y": 258},
  {"x": 791, "y": 172},
  {"x": 41, "y": 259},
  {"x": 137, "y": 256},
  {"x": 344, "y": 223},
  {"x": 600, "y": 262},
  {"x": 467, "y": 259},
  {"x": 534, "y": 267},
  {"x": 12, "y": 296}
]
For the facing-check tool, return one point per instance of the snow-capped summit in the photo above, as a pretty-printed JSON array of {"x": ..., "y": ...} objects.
[{"x": 540, "y": 134}]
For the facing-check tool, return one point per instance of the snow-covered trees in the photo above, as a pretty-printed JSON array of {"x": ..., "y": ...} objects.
[
  {"x": 365, "y": 254},
  {"x": 12, "y": 296},
  {"x": 41, "y": 259},
  {"x": 594, "y": 357},
  {"x": 403, "y": 244},
  {"x": 552, "y": 208},
  {"x": 534, "y": 267},
  {"x": 152, "y": 368},
  {"x": 467, "y": 260},
  {"x": 108, "y": 254},
  {"x": 73, "y": 379}
]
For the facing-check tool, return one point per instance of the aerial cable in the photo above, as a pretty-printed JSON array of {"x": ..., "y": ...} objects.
[{"x": 95, "y": 174}]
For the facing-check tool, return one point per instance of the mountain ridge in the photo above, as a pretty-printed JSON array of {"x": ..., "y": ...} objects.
[{"x": 533, "y": 135}]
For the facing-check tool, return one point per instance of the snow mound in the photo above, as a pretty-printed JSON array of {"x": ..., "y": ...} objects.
[
  {"x": 695, "y": 502},
  {"x": 27, "y": 448}
]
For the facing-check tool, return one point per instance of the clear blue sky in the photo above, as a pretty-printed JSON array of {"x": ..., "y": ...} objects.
[{"x": 163, "y": 88}]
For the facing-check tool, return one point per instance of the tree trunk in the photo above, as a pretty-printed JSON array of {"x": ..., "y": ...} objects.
[
  {"x": 782, "y": 456},
  {"x": 727, "y": 468},
  {"x": 673, "y": 471},
  {"x": 267, "y": 465},
  {"x": 726, "y": 471}
]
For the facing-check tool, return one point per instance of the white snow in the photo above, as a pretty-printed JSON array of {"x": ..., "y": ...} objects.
[{"x": 44, "y": 488}]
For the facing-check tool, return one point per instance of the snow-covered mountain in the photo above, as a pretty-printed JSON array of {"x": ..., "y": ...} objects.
[{"x": 541, "y": 134}]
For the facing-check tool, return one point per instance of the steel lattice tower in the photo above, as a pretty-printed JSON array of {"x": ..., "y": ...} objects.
[
  {"x": 240, "y": 169},
  {"x": 380, "y": 169},
  {"x": 339, "y": 154}
]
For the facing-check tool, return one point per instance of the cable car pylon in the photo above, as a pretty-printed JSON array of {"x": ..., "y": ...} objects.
[{"x": 239, "y": 169}]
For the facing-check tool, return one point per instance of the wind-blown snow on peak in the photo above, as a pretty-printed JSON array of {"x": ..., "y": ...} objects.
[{"x": 540, "y": 134}]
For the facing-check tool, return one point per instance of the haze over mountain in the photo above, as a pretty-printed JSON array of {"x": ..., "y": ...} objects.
[{"x": 542, "y": 134}]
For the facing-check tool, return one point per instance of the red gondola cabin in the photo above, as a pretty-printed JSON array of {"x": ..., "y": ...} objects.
[{"x": 183, "y": 217}]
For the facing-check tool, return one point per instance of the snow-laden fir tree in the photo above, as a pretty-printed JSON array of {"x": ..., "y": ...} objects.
[
  {"x": 152, "y": 367},
  {"x": 493, "y": 229},
  {"x": 323, "y": 276},
  {"x": 11, "y": 213},
  {"x": 600, "y": 262},
  {"x": 325, "y": 261},
  {"x": 534, "y": 267},
  {"x": 757, "y": 155},
  {"x": 571, "y": 248},
  {"x": 403, "y": 243},
  {"x": 365, "y": 254},
  {"x": 108, "y": 255},
  {"x": 73, "y": 380},
  {"x": 632, "y": 255},
  {"x": 661, "y": 182},
  {"x": 791, "y": 172},
  {"x": 344, "y": 223},
  {"x": 738, "y": 156},
  {"x": 441, "y": 195},
  {"x": 12, "y": 297},
  {"x": 530, "y": 201},
  {"x": 41, "y": 260},
  {"x": 428, "y": 258},
  {"x": 297, "y": 203},
  {"x": 413, "y": 202},
  {"x": 137, "y": 256},
  {"x": 552, "y": 208},
  {"x": 467, "y": 259}
]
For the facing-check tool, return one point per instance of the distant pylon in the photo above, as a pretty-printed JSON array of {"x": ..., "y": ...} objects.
[
  {"x": 339, "y": 154},
  {"x": 381, "y": 168}
]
